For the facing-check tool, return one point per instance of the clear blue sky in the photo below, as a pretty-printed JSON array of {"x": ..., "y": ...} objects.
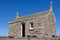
[{"x": 8, "y": 9}]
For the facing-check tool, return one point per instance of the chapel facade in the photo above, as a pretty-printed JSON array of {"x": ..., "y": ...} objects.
[{"x": 39, "y": 25}]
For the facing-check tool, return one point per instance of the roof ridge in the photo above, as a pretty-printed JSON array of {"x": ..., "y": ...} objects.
[
  {"x": 34, "y": 13},
  {"x": 30, "y": 16}
]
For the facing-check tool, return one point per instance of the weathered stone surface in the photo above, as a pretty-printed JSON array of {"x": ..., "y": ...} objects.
[
  {"x": 44, "y": 27},
  {"x": 43, "y": 23}
]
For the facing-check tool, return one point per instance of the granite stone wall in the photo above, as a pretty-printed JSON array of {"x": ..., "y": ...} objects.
[{"x": 44, "y": 25}]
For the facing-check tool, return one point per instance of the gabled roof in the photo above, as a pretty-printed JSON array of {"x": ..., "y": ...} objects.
[{"x": 30, "y": 16}]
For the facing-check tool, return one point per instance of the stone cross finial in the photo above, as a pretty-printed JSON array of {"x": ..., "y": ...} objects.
[
  {"x": 50, "y": 5},
  {"x": 17, "y": 14}
]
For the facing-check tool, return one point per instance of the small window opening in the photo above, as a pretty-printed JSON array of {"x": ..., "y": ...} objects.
[{"x": 31, "y": 25}]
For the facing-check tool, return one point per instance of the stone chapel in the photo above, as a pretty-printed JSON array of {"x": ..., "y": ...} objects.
[{"x": 38, "y": 26}]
